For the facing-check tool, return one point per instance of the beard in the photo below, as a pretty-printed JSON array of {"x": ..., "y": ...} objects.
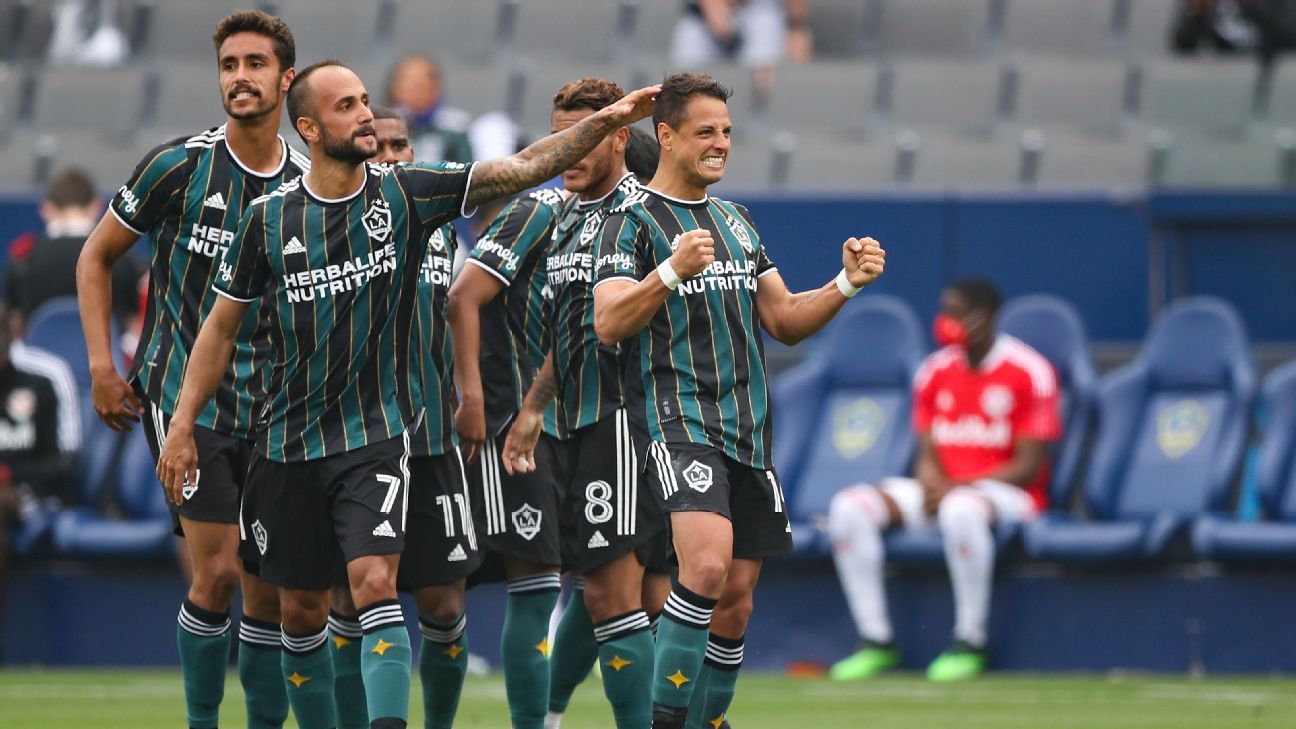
[
  {"x": 262, "y": 108},
  {"x": 347, "y": 149}
]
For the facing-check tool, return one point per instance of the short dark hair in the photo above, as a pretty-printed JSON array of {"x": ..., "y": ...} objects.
[
  {"x": 73, "y": 187},
  {"x": 386, "y": 112},
  {"x": 980, "y": 294},
  {"x": 588, "y": 93},
  {"x": 299, "y": 91},
  {"x": 261, "y": 23},
  {"x": 642, "y": 154},
  {"x": 677, "y": 89}
]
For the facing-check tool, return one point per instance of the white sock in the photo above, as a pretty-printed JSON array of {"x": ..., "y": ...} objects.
[
  {"x": 553, "y": 720},
  {"x": 964, "y": 518},
  {"x": 856, "y": 519}
]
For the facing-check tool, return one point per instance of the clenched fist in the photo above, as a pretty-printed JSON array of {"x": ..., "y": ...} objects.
[
  {"x": 864, "y": 260},
  {"x": 696, "y": 251}
]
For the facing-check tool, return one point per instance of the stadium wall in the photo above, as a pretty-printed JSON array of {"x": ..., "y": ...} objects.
[
  {"x": 1183, "y": 619},
  {"x": 1117, "y": 257}
]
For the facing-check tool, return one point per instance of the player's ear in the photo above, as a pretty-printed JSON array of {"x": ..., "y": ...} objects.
[
  {"x": 621, "y": 140},
  {"x": 664, "y": 135},
  {"x": 286, "y": 79},
  {"x": 307, "y": 128}
]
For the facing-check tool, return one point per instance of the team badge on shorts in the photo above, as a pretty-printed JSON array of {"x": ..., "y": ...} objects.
[
  {"x": 259, "y": 534},
  {"x": 189, "y": 489},
  {"x": 698, "y": 477},
  {"x": 526, "y": 522}
]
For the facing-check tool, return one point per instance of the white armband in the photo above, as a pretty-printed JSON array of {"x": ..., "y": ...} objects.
[
  {"x": 668, "y": 275},
  {"x": 844, "y": 285}
]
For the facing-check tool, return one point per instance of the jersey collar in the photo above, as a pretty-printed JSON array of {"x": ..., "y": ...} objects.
[
  {"x": 686, "y": 203},
  {"x": 283, "y": 157},
  {"x": 335, "y": 201}
]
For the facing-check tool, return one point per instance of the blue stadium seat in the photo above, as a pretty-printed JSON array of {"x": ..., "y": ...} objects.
[
  {"x": 145, "y": 527},
  {"x": 1050, "y": 326},
  {"x": 1225, "y": 538},
  {"x": 55, "y": 327},
  {"x": 1172, "y": 432},
  {"x": 846, "y": 412}
]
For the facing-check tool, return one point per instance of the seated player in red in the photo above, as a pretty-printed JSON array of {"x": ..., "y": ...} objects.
[{"x": 985, "y": 409}]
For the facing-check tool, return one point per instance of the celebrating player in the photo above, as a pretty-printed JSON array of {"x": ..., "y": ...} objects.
[
  {"x": 985, "y": 408},
  {"x": 337, "y": 257},
  {"x": 687, "y": 273},
  {"x": 187, "y": 196}
]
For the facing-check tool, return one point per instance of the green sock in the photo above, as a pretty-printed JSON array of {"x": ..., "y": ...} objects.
[
  {"x": 681, "y": 646},
  {"x": 265, "y": 692},
  {"x": 348, "y": 685},
  {"x": 204, "y": 640},
  {"x": 385, "y": 662},
  {"x": 626, "y": 655},
  {"x": 443, "y": 663},
  {"x": 716, "y": 684},
  {"x": 308, "y": 668},
  {"x": 524, "y": 647},
  {"x": 574, "y": 652}
]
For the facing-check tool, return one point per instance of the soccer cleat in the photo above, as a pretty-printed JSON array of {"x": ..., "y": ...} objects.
[
  {"x": 959, "y": 662},
  {"x": 867, "y": 662}
]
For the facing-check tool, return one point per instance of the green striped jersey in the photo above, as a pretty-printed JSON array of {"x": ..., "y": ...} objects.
[
  {"x": 701, "y": 355},
  {"x": 187, "y": 195},
  {"x": 340, "y": 282},
  {"x": 514, "y": 340},
  {"x": 433, "y": 359},
  {"x": 589, "y": 373}
]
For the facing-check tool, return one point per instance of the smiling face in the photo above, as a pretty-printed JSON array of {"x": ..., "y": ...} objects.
[
  {"x": 699, "y": 148},
  {"x": 590, "y": 176},
  {"x": 339, "y": 120},
  {"x": 251, "y": 82}
]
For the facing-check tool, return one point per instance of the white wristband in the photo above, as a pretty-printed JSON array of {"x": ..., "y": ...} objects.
[
  {"x": 844, "y": 285},
  {"x": 668, "y": 275}
]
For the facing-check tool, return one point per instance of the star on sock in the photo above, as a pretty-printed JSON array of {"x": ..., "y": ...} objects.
[
  {"x": 297, "y": 679},
  {"x": 717, "y": 722},
  {"x": 543, "y": 646},
  {"x": 453, "y": 651},
  {"x": 340, "y": 642},
  {"x": 678, "y": 678},
  {"x": 617, "y": 663},
  {"x": 381, "y": 647}
]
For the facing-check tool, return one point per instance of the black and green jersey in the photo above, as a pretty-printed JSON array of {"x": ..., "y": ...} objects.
[
  {"x": 340, "y": 282},
  {"x": 701, "y": 354},
  {"x": 187, "y": 195},
  {"x": 433, "y": 363},
  {"x": 589, "y": 373},
  {"x": 514, "y": 340}
]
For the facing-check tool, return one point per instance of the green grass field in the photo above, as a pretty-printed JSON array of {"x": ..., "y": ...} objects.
[{"x": 115, "y": 699}]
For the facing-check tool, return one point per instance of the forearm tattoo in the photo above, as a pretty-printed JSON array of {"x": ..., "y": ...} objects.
[{"x": 541, "y": 161}]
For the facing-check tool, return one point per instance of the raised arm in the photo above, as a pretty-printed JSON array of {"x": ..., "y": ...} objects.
[
  {"x": 550, "y": 156},
  {"x": 791, "y": 318},
  {"x": 178, "y": 461},
  {"x": 113, "y": 399}
]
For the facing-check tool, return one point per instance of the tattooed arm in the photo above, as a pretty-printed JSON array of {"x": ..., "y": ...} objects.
[
  {"x": 555, "y": 153},
  {"x": 791, "y": 318}
]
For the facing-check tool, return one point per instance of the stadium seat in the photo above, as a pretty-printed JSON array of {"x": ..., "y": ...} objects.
[
  {"x": 1052, "y": 327},
  {"x": 1148, "y": 29},
  {"x": 960, "y": 164},
  {"x": 949, "y": 95},
  {"x": 848, "y": 410},
  {"x": 145, "y": 527},
  {"x": 819, "y": 164},
  {"x": 1081, "y": 27},
  {"x": 1212, "y": 98},
  {"x": 1281, "y": 109},
  {"x": 187, "y": 99},
  {"x": 330, "y": 29},
  {"x": 1079, "y": 95},
  {"x": 1255, "y": 163},
  {"x": 932, "y": 27},
  {"x": 841, "y": 28},
  {"x": 1171, "y": 436},
  {"x": 64, "y": 95},
  {"x": 539, "y": 22},
  {"x": 824, "y": 97},
  {"x": 55, "y": 327},
  {"x": 181, "y": 29},
  {"x": 1068, "y": 161},
  {"x": 1224, "y": 538},
  {"x": 422, "y": 25}
]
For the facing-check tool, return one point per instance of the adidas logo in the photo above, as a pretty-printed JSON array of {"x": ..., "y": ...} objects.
[
  {"x": 596, "y": 541},
  {"x": 215, "y": 201},
  {"x": 457, "y": 554},
  {"x": 294, "y": 246},
  {"x": 384, "y": 530}
]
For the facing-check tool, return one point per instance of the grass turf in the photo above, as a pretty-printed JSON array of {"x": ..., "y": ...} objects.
[{"x": 130, "y": 699}]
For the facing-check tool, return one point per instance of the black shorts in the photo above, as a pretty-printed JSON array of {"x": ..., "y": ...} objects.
[
  {"x": 608, "y": 511},
  {"x": 223, "y": 462},
  {"x": 518, "y": 516},
  {"x": 440, "y": 542},
  {"x": 297, "y": 518},
  {"x": 692, "y": 477}
]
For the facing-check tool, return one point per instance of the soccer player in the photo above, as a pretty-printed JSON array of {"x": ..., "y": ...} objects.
[
  {"x": 440, "y": 545},
  {"x": 612, "y": 521},
  {"x": 687, "y": 273},
  {"x": 336, "y": 256},
  {"x": 985, "y": 409},
  {"x": 187, "y": 196}
]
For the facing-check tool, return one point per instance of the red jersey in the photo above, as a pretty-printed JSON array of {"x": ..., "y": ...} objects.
[{"x": 975, "y": 416}]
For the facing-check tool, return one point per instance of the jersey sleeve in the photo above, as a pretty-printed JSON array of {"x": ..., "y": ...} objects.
[
  {"x": 620, "y": 255},
  {"x": 1037, "y": 417},
  {"x": 521, "y": 231},
  {"x": 243, "y": 271},
  {"x": 142, "y": 202},
  {"x": 438, "y": 190}
]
